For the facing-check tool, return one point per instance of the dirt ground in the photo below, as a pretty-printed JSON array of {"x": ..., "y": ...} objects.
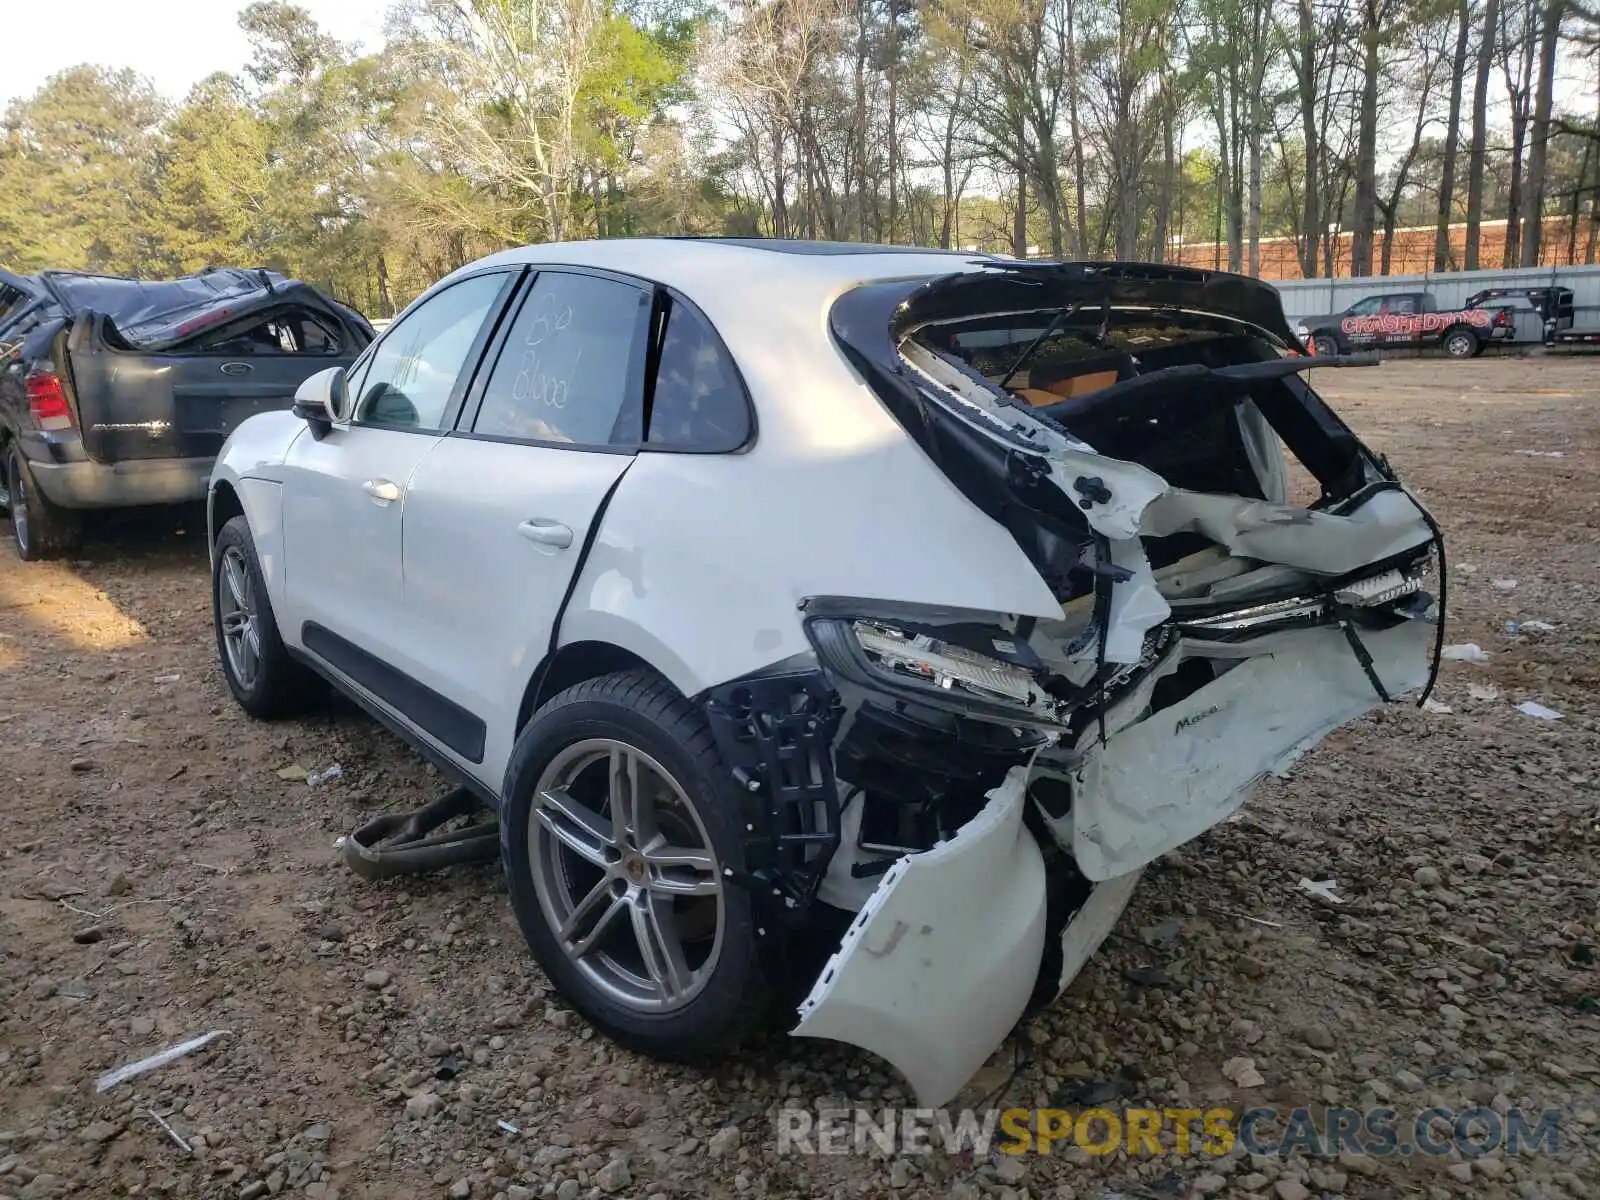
[{"x": 165, "y": 870}]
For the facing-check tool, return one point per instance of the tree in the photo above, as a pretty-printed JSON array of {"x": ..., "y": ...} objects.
[
  {"x": 1477, "y": 151},
  {"x": 1452, "y": 138},
  {"x": 1549, "y": 34},
  {"x": 1518, "y": 23},
  {"x": 78, "y": 173},
  {"x": 216, "y": 188}
]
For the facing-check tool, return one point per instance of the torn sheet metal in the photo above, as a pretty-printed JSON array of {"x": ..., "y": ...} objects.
[
  {"x": 1170, "y": 777},
  {"x": 1137, "y": 605},
  {"x": 938, "y": 966},
  {"x": 1386, "y": 523}
]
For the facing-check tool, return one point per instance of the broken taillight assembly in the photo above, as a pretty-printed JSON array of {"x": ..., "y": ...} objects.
[
  {"x": 1379, "y": 589},
  {"x": 947, "y": 667},
  {"x": 881, "y": 655},
  {"x": 47, "y": 400}
]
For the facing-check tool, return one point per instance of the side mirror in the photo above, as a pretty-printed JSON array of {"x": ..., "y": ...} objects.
[{"x": 320, "y": 401}]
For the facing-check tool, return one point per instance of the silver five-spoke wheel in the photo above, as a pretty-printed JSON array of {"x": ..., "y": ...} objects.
[
  {"x": 238, "y": 618},
  {"x": 625, "y": 874}
]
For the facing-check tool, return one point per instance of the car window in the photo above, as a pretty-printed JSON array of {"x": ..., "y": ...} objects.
[
  {"x": 315, "y": 336},
  {"x": 1400, "y": 304},
  {"x": 567, "y": 370},
  {"x": 270, "y": 336},
  {"x": 415, "y": 367},
  {"x": 16, "y": 333},
  {"x": 699, "y": 399},
  {"x": 1362, "y": 308}
]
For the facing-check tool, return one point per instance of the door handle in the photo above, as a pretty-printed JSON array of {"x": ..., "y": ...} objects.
[
  {"x": 546, "y": 533},
  {"x": 383, "y": 491},
  {"x": 236, "y": 368}
]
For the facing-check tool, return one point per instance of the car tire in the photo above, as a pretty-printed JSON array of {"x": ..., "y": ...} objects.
[
  {"x": 601, "y": 968},
  {"x": 265, "y": 680},
  {"x": 1461, "y": 343},
  {"x": 1325, "y": 346},
  {"x": 39, "y": 529}
]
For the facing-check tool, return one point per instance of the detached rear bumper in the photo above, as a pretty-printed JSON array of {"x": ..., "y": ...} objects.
[
  {"x": 939, "y": 964},
  {"x": 132, "y": 484}
]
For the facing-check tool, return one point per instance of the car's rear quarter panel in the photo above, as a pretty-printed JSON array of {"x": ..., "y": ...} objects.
[{"x": 701, "y": 560}]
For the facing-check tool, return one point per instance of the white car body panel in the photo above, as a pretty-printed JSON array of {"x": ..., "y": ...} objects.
[
  {"x": 489, "y": 596},
  {"x": 725, "y": 614},
  {"x": 1149, "y": 790},
  {"x": 947, "y": 930},
  {"x": 1093, "y": 923},
  {"x": 340, "y": 542},
  {"x": 251, "y": 463},
  {"x": 1327, "y": 543},
  {"x": 939, "y": 964},
  {"x": 698, "y": 565},
  {"x": 263, "y": 506}
]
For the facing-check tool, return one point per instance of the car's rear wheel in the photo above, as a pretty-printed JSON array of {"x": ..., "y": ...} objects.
[
  {"x": 1460, "y": 343},
  {"x": 262, "y": 676},
  {"x": 620, "y": 831},
  {"x": 1325, "y": 346},
  {"x": 39, "y": 528}
]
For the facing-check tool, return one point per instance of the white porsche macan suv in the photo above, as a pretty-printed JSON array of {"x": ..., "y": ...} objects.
[{"x": 776, "y": 593}]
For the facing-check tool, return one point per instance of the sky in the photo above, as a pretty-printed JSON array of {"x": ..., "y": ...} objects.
[{"x": 176, "y": 43}]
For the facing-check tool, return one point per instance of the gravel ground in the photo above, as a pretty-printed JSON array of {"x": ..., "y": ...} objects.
[{"x": 166, "y": 870}]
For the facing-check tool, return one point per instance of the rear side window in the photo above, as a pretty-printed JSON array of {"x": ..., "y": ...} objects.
[
  {"x": 314, "y": 337},
  {"x": 699, "y": 399},
  {"x": 571, "y": 369}
]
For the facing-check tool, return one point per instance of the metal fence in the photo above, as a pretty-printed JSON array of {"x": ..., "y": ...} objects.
[{"x": 1314, "y": 297}]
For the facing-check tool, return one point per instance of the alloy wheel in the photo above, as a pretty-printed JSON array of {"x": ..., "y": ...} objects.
[
  {"x": 626, "y": 875},
  {"x": 237, "y": 615}
]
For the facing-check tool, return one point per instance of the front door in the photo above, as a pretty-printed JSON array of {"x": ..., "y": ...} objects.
[
  {"x": 499, "y": 514},
  {"x": 345, "y": 496}
]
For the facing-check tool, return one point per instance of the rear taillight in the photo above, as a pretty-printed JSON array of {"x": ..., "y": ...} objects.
[{"x": 47, "y": 401}]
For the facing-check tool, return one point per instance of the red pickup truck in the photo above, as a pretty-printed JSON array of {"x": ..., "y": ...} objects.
[{"x": 1409, "y": 319}]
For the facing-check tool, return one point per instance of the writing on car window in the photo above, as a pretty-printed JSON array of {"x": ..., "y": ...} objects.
[{"x": 564, "y": 374}]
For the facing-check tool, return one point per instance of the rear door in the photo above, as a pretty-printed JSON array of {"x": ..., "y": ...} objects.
[{"x": 499, "y": 515}]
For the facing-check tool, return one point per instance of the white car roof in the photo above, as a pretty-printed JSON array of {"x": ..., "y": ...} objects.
[
  {"x": 770, "y": 302},
  {"x": 699, "y": 266}
]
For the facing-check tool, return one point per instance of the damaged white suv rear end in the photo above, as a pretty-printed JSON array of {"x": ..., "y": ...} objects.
[{"x": 1003, "y": 781}]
